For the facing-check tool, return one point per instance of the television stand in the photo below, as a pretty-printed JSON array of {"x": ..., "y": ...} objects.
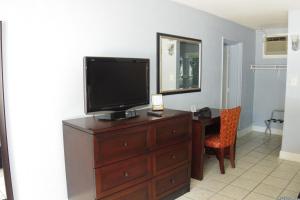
[{"x": 118, "y": 115}]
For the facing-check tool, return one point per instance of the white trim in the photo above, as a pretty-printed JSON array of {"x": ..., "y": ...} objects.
[
  {"x": 289, "y": 156},
  {"x": 244, "y": 131},
  {"x": 222, "y": 68},
  {"x": 262, "y": 129}
]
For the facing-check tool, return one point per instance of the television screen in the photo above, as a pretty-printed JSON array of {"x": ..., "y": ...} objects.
[{"x": 113, "y": 84}]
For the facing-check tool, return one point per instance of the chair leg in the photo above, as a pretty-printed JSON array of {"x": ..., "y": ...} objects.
[
  {"x": 221, "y": 160},
  {"x": 232, "y": 156}
]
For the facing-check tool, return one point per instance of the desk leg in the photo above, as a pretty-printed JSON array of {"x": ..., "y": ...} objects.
[{"x": 198, "y": 150}]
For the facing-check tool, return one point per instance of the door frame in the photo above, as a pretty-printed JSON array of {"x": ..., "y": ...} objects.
[
  {"x": 240, "y": 70},
  {"x": 3, "y": 135}
]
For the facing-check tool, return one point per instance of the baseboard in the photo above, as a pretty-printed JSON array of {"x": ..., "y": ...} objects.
[
  {"x": 262, "y": 129},
  {"x": 289, "y": 156},
  {"x": 244, "y": 131}
]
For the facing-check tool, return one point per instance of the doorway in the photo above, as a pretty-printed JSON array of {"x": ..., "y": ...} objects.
[{"x": 231, "y": 73}]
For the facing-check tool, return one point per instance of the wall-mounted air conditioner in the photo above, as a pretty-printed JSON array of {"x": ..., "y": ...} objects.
[{"x": 275, "y": 46}]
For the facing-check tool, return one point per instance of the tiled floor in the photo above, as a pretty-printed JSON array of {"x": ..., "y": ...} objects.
[
  {"x": 2, "y": 186},
  {"x": 259, "y": 174}
]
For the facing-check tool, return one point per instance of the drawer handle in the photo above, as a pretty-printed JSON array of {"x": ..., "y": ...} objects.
[
  {"x": 173, "y": 131},
  {"x": 125, "y": 144},
  {"x": 126, "y": 174},
  {"x": 172, "y": 180},
  {"x": 173, "y": 156}
]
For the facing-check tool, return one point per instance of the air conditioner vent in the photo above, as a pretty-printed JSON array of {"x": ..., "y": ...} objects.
[{"x": 275, "y": 46}]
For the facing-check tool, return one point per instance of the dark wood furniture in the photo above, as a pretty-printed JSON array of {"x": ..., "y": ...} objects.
[
  {"x": 145, "y": 158},
  {"x": 201, "y": 127}
]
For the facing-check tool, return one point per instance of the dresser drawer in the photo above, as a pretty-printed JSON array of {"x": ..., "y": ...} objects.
[
  {"x": 172, "y": 157},
  {"x": 120, "y": 144},
  {"x": 123, "y": 174},
  {"x": 176, "y": 178},
  {"x": 172, "y": 130},
  {"x": 139, "y": 192}
]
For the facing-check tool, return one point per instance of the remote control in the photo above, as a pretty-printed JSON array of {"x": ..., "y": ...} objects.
[{"x": 155, "y": 113}]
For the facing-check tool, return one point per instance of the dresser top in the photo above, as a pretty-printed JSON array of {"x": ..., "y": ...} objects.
[{"x": 92, "y": 125}]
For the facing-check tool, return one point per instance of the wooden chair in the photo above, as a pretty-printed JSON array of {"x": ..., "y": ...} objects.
[{"x": 226, "y": 137}]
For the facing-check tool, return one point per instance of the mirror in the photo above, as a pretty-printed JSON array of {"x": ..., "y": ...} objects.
[
  {"x": 179, "y": 64},
  {"x": 6, "y": 191}
]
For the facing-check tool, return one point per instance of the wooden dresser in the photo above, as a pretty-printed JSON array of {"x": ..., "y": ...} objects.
[{"x": 145, "y": 158}]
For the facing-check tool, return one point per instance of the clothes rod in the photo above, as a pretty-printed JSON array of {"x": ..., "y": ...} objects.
[{"x": 268, "y": 67}]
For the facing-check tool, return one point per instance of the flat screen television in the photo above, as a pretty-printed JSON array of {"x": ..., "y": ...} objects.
[{"x": 115, "y": 84}]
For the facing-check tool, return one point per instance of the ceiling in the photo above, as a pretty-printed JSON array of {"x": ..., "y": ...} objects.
[{"x": 256, "y": 14}]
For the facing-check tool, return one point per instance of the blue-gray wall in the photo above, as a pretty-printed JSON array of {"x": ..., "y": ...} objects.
[
  {"x": 269, "y": 85},
  {"x": 210, "y": 29}
]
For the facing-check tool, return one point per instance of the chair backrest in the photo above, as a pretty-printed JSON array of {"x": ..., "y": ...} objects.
[{"x": 229, "y": 124}]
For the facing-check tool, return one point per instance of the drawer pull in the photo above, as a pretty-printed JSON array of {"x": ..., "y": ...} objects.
[
  {"x": 173, "y": 131},
  {"x": 173, "y": 156},
  {"x": 125, "y": 144},
  {"x": 126, "y": 174},
  {"x": 172, "y": 180}
]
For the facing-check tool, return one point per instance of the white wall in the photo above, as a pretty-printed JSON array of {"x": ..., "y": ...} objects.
[
  {"x": 44, "y": 43},
  {"x": 291, "y": 135},
  {"x": 269, "y": 85}
]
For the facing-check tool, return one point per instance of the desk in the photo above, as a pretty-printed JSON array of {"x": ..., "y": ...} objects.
[{"x": 202, "y": 127}]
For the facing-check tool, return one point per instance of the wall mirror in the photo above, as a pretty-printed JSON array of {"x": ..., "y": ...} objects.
[{"x": 178, "y": 64}]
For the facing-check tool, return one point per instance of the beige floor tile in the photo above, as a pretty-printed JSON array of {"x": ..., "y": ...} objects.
[
  {"x": 294, "y": 186},
  {"x": 283, "y": 174},
  {"x": 289, "y": 193},
  {"x": 194, "y": 183},
  {"x": 269, "y": 163},
  {"x": 263, "y": 150},
  {"x": 254, "y": 196},
  {"x": 199, "y": 194},
  {"x": 257, "y": 154},
  {"x": 250, "y": 159},
  {"x": 277, "y": 182},
  {"x": 261, "y": 169},
  {"x": 268, "y": 190},
  {"x": 297, "y": 177},
  {"x": 220, "y": 197},
  {"x": 243, "y": 164},
  {"x": 182, "y": 198},
  {"x": 272, "y": 157},
  {"x": 234, "y": 192},
  {"x": 259, "y": 173},
  {"x": 225, "y": 178},
  {"x": 287, "y": 167},
  {"x": 214, "y": 169},
  {"x": 235, "y": 171},
  {"x": 291, "y": 163},
  {"x": 245, "y": 183},
  {"x": 212, "y": 185},
  {"x": 255, "y": 176}
]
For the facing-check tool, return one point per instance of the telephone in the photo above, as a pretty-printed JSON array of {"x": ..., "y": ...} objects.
[{"x": 203, "y": 112}]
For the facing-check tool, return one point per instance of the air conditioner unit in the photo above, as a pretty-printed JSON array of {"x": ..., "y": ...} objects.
[{"x": 275, "y": 46}]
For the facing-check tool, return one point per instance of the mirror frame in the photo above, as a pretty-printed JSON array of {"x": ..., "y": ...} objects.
[
  {"x": 158, "y": 45},
  {"x": 3, "y": 135}
]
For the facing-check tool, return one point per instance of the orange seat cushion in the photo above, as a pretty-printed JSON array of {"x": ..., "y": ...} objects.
[{"x": 213, "y": 141}]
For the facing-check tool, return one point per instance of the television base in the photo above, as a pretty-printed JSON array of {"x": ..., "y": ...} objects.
[{"x": 118, "y": 115}]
